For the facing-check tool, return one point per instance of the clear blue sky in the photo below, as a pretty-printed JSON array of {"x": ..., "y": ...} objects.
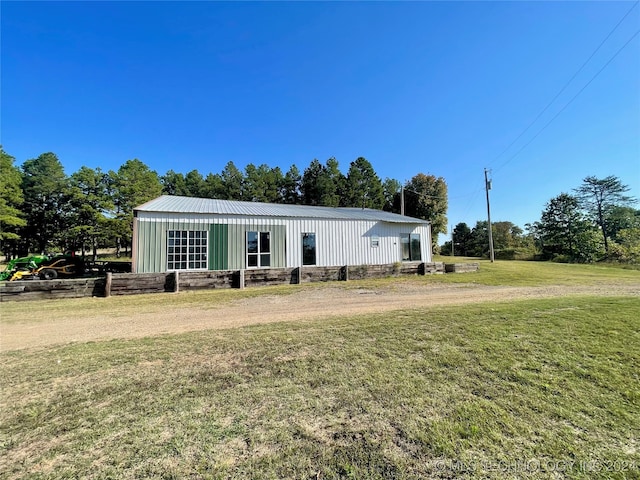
[{"x": 433, "y": 87}]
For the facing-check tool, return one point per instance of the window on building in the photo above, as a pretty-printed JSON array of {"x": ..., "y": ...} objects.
[
  {"x": 375, "y": 241},
  {"x": 410, "y": 247},
  {"x": 308, "y": 249},
  {"x": 186, "y": 250},
  {"x": 258, "y": 249}
]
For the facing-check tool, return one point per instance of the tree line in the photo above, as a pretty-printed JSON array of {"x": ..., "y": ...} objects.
[
  {"x": 509, "y": 240},
  {"x": 42, "y": 209},
  {"x": 595, "y": 222}
]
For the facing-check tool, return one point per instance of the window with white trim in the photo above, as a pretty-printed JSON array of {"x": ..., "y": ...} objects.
[
  {"x": 258, "y": 249},
  {"x": 186, "y": 250}
]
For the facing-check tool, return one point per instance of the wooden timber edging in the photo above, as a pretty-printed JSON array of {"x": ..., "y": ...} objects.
[
  {"x": 460, "y": 267},
  {"x": 51, "y": 289},
  {"x": 139, "y": 283}
]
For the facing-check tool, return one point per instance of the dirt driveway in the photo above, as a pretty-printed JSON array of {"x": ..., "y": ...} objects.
[{"x": 304, "y": 305}]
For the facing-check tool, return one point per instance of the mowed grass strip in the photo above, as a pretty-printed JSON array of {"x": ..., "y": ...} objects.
[
  {"x": 484, "y": 391},
  {"x": 530, "y": 274}
]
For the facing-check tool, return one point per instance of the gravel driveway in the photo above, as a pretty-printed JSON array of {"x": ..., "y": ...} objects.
[{"x": 304, "y": 305}]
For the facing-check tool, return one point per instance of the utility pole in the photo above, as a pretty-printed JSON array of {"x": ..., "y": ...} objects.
[
  {"x": 402, "y": 200},
  {"x": 487, "y": 186},
  {"x": 452, "y": 254}
]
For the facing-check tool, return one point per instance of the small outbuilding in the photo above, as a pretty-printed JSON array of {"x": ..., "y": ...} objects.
[{"x": 182, "y": 233}]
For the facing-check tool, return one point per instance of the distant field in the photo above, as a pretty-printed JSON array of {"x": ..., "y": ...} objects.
[{"x": 542, "y": 388}]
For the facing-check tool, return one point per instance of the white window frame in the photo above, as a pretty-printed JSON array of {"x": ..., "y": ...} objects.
[
  {"x": 190, "y": 243},
  {"x": 260, "y": 252},
  {"x": 375, "y": 241}
]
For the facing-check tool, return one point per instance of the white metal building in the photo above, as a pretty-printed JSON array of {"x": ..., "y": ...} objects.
[{"x": 183, "y": 233}]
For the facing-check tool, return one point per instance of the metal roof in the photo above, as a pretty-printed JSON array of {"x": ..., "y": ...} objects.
[{"x": 175, "y": 204}]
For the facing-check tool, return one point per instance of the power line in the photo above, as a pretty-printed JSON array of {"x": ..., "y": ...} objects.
[
  {"x": 567, "y": 84},
  {"x": 475, "y": 193},
  {"x": 436, "y": 196},
  {"x": 570, "y": 101},
  {"x": 473, "y": 200}
]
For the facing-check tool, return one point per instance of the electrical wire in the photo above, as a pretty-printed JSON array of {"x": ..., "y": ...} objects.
[
  {"x": 473, "y": 196},
  {"x": 473, "y": 200},
  {"x": 570, "y": 101},
  {"x": 436, "y": 196},
  {"x": 565, "y": 87}
]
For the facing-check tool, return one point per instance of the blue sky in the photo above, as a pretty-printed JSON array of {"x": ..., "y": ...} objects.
[{"x": 433, "y": 87}]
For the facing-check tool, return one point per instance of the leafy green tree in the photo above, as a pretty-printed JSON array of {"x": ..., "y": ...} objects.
[
  {"x": 173, "y": 183},
  {"x": 11, "y": 200},
  {"x": 331, "y": 184},
  {"x": 135, "y": 183},
  {"x": 46, "y": 195},
  {"x": 560, "y": 223},
  {"x": 89, "y": 202},
  {"x": 478, "y": 243},
  {"x": 194, "y": 184},
  {"x": 213, "y": 186},
  {"x": 290, "y": 188},
  {"x": 626, "y": 248},
  {"x": 589, "y": 247},
  {"x": 623, "y": 225},
  {"x": 461, "y": 236},
  {"x": 621, "y": 218},
  {"x": 391, "y": 189},
  {"x": 132, "y": 185},
  {"x": 310, "y": 186},
  {"x": 262, "y": 183},
  {"x": 564, "y": 230},
  {"x": 323, "y": 184},
  {"x": 598, "y": 196},
  {"x": 509, "y": 240},
  {"x": 232, "y": 181},
  {"x": 363, "y": 188},
  {"x": 507, "y": 235},
  {"x": 426, "y": 198},
  {"x": 534, "y": 236}
]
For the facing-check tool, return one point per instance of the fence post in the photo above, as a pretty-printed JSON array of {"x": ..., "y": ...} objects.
[
  {"x": 176, "y": 281},
  {"x": 241, "y": 280},
  {"x": 107, "y": 285},
  {"x": 346, "y": 273},
  {"x": 298, "y": 275}
]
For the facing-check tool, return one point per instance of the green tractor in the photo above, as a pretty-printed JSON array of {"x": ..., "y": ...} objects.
[
  {"x": 45, "y": 268},
  {"x": 63, "y": 266},
  {"x": 18, "y": 267}
]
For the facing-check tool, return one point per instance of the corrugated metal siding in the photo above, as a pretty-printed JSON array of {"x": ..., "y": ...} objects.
[
  {"x": 338, "y": 242},
  {"x": 219, "y": 247},
  {"x": 152, "y": 241},
  {"x": 238, "y": 243},
  {"x": 349, "y": 242},
  {"x": 149, "y": 241},
  {"x": 425, "y": 245}
]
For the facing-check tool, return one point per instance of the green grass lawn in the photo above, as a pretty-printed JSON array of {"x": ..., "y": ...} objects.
[
  {"x": 530, "y": 389},
  {"x": 521, "y": 273}
]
